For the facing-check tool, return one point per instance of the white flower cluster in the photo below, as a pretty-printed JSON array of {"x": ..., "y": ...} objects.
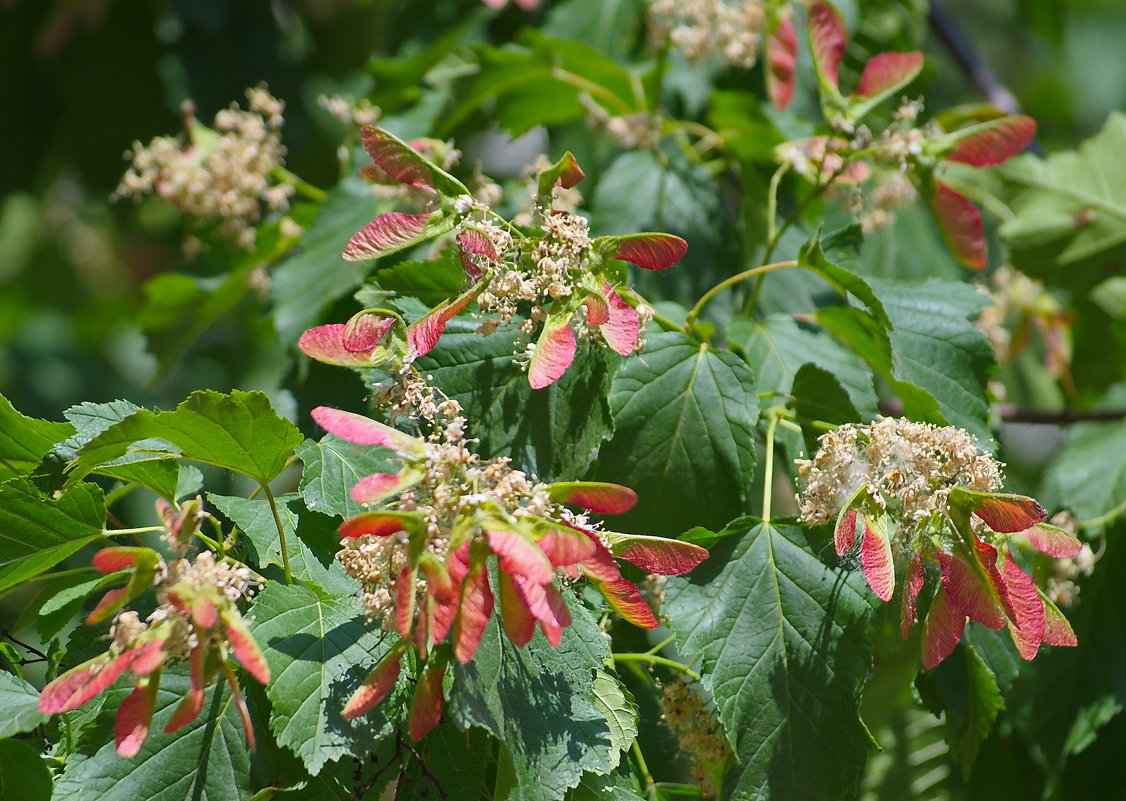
[
  {"x": 702, "y": 28},
  {"x": 349, "y": 110},
  {"x": 454, "y": 483},
  {"x": 687, "y": 715},
  {"x": 908, "y": 468},
  {"x": 557, "y": 259},
  {"x": 225, "y": 173}
]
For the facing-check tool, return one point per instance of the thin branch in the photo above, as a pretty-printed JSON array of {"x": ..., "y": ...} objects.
[
  {"x": 951, "y": 33},
  {"x": 1019, "y": 414}
]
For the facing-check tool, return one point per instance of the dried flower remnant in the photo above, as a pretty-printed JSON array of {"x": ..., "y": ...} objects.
[
  {"x": 927, "y": 497},
  {"x": 730, "y": 31},
  {"x": 687, "y": 715},
  {"x": 225, "y": 173},
  {"x": 196, "y": 619},
  {"x": 421, "y": 556},
  {"x": 1021, "y": 305}
]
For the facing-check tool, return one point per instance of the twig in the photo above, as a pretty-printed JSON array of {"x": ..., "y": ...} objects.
[{"x": 1018, "y": 414}]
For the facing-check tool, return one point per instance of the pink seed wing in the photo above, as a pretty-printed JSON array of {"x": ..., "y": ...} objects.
[
  {"x": 942, "y": 630},
  {"x": 244, "y": 645},
  {"x": 961, "y": 225},
  {"x": 554, "y": 353},
  {"x": 204, "y": 613},
  {"x": 651, "y": 251},
  {"x": 969, "y": 592},
  {"x": 995, "y": 144},
  {"x": 597, "y": 310},
  {"x": 109, "y": 603},
  {"x": 377, "y": 684},
  {"x": 131, "y": 724},
  {"x": 424, "y": 333},
  {"x": 1008, "y": 514},
  {"x": 149, "y": 657},
  {"x": 565, "y": 546},
  {"x": 1027, "y": 627},
  {"x": 365, "y": 331},
  {"x": 622, "y": 326},
  {"x": 375, "y": 487},
  {"x": 657, "y": 554},
  {"x": 472, "y": 242},
  {"x": 110, "y": 560},
  {"x": 1053, "y": 541},
  {"x": 81, "y": 683},
  {"x": 888, "y": 71},
  {"x": 601, "y": 497},
  {"x": 782, "y": 58},
  {"x": 517, "y": 620},
  {"x": 364, "y": 431},
  {"x": 828, "y": 40},
  {"x": 426, "y": 708},
  {"x": 876, "y": 558},
  {"x": 396, "y": 158},
  {"x": 520, "y": 556},
  {"x": 844, "y": 533},
  {"x": 625, "y": 599},
  {"x": 187, "y": 711},
  {"x": 474, "y": 613},
  {"x": 911, "y": 589},
  {"x": 404, "y": 601},
  {"x": 376, "y": 524},
  {"x": 385, "y": 234},
  {"x": 325, "y": 343},
  {"x": 1057, "y": 629}
]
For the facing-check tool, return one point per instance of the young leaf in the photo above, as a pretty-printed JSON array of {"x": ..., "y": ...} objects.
[
  {"x": 239, "y": 432},
  {"x": 207, "y": 759},
  {"x": 1069, "y": 208},
  {"x": 39, "y": 532},
  {"x": 317, "y": 647},
  {"x": 20, "y": 702},
  {"x": 552, "y": 432},
  {"x": 332, "y": 467},
  {"x": 539, "y": 701},
  {"x": 685, "y": 416},
  {"x": 788, "y": 695},
  {"x": 25, "y": 440}
]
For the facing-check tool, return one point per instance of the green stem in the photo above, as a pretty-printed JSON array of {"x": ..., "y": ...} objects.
[
  {"x": 142, "y": 530},
  {"x": 768, "y": 470},
  {"x": 772, "y": 202},
  {"x": 652, "y": 659},
  {"x": 507, "y": 225},
  {"x": 292, "y": 460},
  {"x": 594, "y": 89},
  {"x": 294, "y": 180},
  {"x": 281, "y": 531},
  {"x": 667, "y": 641},
  {"x": 646, "y": 776},
  {"x": 722, "y": 285},
  {"x": 1103, "y": 519}
]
